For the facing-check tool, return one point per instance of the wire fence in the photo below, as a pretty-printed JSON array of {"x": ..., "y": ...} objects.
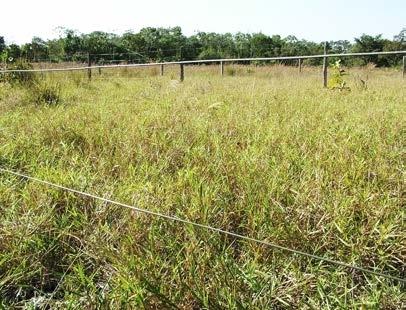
[
  {"x": 208, "y": 61},
  {"x": 204, "y": 226},
  {"x": 222, "y": 62}
]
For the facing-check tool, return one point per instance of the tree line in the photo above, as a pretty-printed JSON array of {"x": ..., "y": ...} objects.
[{"x": 170, "y": 44}]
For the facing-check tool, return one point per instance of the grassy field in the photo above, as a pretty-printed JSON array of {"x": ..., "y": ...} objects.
[{"x": 264, "y": 152}]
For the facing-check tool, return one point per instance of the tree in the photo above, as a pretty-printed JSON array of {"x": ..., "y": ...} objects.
[
  {"x": 261, "y": 45},
  {"x": 367, "y": 43},
  {"x": 398, "y": 44},
  {"x": 14, "y": 52},
  {"x": 340, "y": 47},
  {"x": 99, "y": 42},
  {"x": 72, "y": 43},
  {"x": 2, "y": 44},
  {"x": 192, "y": 48},
  {"x": 242, "y": 45},
  {"x": 401, "y": 37},
  {"x": 56, "y": 50},
  {"x": 214, "y": 45},
  {"x": 37, "y": 50},
  {"x": 211, "y": 45},
  {"x": 134, "y": 44},
  {"x": 170, "y": 44}
]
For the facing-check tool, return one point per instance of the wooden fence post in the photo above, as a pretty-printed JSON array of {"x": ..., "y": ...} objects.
[
  {"x": 222, "y": 68},
  {"x": 404, "y": 67},
  {"x": 162, "y": 70},
  {"x": 182, "y": 73},
  {"x": 325, "y": 65},
  {"x": 89, "y": 70},
  {"x": 300, "y": 65}
]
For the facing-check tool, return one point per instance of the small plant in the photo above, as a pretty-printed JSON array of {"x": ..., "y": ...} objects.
[
  {"x": 336, "y": 80},
  {"x": 45, "y": 92}
]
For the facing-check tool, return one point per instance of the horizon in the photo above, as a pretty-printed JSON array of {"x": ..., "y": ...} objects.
[{"x": 342, "y": 21}]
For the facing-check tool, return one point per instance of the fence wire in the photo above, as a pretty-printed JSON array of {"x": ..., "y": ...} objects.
[
  {"x": 208, "y": 61},
  {"x": 204, "y": 226}
]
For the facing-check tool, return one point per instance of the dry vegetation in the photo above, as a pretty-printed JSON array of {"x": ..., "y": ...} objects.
[{"x": 263, "y": 151}]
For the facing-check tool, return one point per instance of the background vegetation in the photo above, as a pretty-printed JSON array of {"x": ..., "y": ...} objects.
[{"x": 168, "y": 44}]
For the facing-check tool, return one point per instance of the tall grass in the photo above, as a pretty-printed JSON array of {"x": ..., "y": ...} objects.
[{"x": 267, "y": 153}]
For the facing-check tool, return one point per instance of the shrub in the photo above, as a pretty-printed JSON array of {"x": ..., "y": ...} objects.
[{"x": 19, "y": 77}]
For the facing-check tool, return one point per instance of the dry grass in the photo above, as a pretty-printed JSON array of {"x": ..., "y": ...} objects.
[{"x": 266, "y": 153}]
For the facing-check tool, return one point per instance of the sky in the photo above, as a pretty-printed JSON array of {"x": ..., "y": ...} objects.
[{"x": 314, "y": 20}]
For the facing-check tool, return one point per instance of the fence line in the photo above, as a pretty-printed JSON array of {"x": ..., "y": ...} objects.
[
  {"x": 214, "y": 229},
  {"x": 191, "y": 62}
]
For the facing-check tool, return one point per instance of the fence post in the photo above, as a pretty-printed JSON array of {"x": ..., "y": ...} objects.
[
  {"x": 404, "y": 67},
  {"x": 300, "y": 65},
  {"x": 222, "y": 68},
  {"x": 182, "y": 73},
  {"x": 99, "y": 70},
  {"x": 89, "y": 70},
  {"x": 325, "y": 65},
  {"x": 162, "y": 70}
]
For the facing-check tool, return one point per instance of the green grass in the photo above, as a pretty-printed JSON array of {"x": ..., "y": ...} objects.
[{"x": 266, "y": 153}]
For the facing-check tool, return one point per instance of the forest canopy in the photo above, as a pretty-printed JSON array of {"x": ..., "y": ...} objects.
[{"x": 170, "y": 44}]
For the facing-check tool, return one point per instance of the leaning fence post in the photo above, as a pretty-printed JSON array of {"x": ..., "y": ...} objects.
[
  {"x": 222, "y": 68},
  {"x": 404, "y": 67},
  {"x": 300, "y": 65},
  {"x": 182, "y": 72},
  {"x": 89, "y": 70},
  {"x": 325, "y": 65},
  {"x": 162, "y": 70}
]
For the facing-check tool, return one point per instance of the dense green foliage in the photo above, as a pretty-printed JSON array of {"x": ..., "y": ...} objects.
[
  {"x": 166, "y": 44},
  {"x": 265, "y": 152},
  {"x": 19, "y": 77},
  {"x": 2, "y": 45}
]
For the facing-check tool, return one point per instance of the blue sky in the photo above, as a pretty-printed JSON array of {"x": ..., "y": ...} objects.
[{"x": 312, "y": 19}]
